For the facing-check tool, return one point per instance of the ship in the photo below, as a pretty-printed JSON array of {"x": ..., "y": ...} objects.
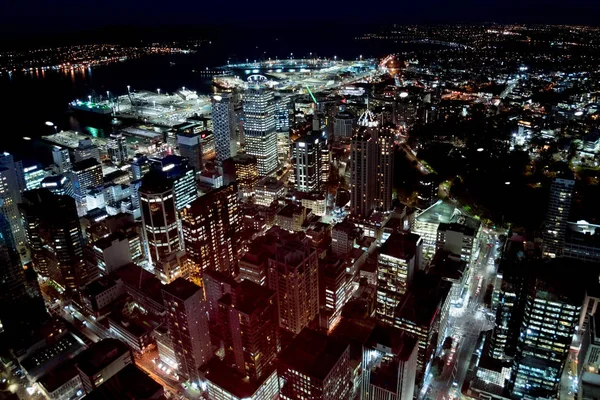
[{"x": 91, "y": 107}]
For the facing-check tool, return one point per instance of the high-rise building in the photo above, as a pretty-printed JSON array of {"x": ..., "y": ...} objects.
[
  {"x": 87, "y": 174},
  {"x": 188, "y": 326},
  {"x": 334, "y": 289},
  {"x": 224, "y": 126},
  {"x": 117, "y": 148},
  {"x": 87, "y": 149},
  {"x": 55, "y": 238},
  {"x": 552, "y": 308},
  {"x": 33, "y": 174},
  {"x": 283, "y": 114},
  {"x": 459, "y": 239},
  {"x": 101, "y": 361},
  {"x": 306, "y": 158},
  {"x": 249, "y": 329},
  {"x": 385, "y": 169},
  {"x": 397, "y": 263},
  {"x": 58, "y": 184},
  {"x": 61, "y": 159},
  {"x": 343, "y": 125},
  {"x": 20, "y": 306},
  {"x": 140, "y": 165},
  {"x": 190, "y": 147},
  {"x": 428, "y": 191},
  {"x": 559, "y": 205},
  {"x": 10, "y": 196},
  {"x": 293, "y": 274},
  {"x": 182, "y": 176},
  {"x": 371, "y": 169},
  {"x": 314, "y": 366},
  {"x": 159, "y": 216},
  {"x": 363, "y": 173},
  {"x": 423, "y": 312},
  {"x": 209, "y": 226},
  {"x": 242, "y": 169},
  {"x": 389, "y": 364},
  {"x": 259, "y": 128}
]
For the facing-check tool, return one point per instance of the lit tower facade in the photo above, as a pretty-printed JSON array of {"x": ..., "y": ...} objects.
[
  {"x": 385, "y": 168},
  {"x": 223, "y": 117},
  {"x": 259, "y": 128},
  {"x": 117, "y": 148},
  {"x": 306, "y": 157},
  {"x": 559, "y": 205},
  {"x": 363, "y": 163},
  {"x": 10, "y": 196},
  {"x": 209, "y": 226}
]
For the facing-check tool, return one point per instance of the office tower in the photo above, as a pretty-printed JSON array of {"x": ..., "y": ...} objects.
[
  {"x": 101, "y": 361},
  {"x": 20, "y": 306},
  {"x": 306, "y": 158},
  {"x": 86, "y": 150},
  {"x": 242, "y": 169},
  {"x": 314, "y": 366},
  {"x": 428, "y": 191},
  {"x": 559, "y": 205},
  {"x": 10, "y": 196},
  {"x": 190, "y": 147},
  {"x": 267, "y": 190},
  {"x": 216, "y": 285},
  {"x": 188, "y": 326},
  {"x": 117, "y": 148},
  {"x": 423, "y": 312},
  {"x": 58, "y": 184},
  {"x": 259, "y": 128},
  {"x": 159, "y": 216},
  {"x": 209, "y": 226},
  {"x": 344, "y": 236},
  {"x": 459, "y": 239},
  {"x": 389, "y": 364},
  {"x": 178, "y": 171},
  {"x": 334, "y": 289},
  {"x": 249, "y": 329},
  {"x": 385, "y": 169},
  {"x": 343, "y": 125},
  {"x": 140, "y": 165},
  {"x": 363, "y": 173},
  {"x": 283, "y": 114},
  {"x": 62, "y": 159},
  {"x": 325, "y": 159},
  {"x": 397, "y": 263},
  {"x": 55, "y": 238},
  {"x": 87, "y": 174},
  {"x": 112, "y": 252},
  {"x": 293, "y": 274},
  {"x": 33, "y": 174},
  {"x": 552, "y": 308},
  {"x": 224, "y": 126}
]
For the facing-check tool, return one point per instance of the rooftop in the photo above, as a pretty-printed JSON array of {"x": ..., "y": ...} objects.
[
  {"x": 100, "y": 355},
  {"x": 182, "y": 289},
  {"x": 230, "y": 380},
  {"x": 401, "y": 245},
  {"x": 445, "y": 211},
  {"x": 313, "y": 353},
  {"x": 129, "y": 383}
]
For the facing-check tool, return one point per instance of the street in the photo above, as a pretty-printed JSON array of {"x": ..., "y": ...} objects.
[{"x": 464, "y": 326}]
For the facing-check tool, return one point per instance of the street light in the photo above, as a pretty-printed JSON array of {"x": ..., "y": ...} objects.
[
  {"x": 128, "y": 88},
  {"x": 90, "y": 98},
  {"x": 158, "y": 90}
]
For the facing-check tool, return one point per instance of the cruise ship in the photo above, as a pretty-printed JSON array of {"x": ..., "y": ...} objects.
[{"x": 91, "y": 107}]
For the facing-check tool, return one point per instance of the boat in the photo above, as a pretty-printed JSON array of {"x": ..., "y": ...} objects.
[{"x": 91, "y": 107}]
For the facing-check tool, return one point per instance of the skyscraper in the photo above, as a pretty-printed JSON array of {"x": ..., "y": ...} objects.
[
  {"x": 559, "y": 205},
  {"x": 159, "y": 216},
  {"x": 181, "y": 175},
  {"x": 259, "y": 128},
  {"x": 249, "y": 329},
  {"x": 19, "y": 306},
  {"x": 306, "y": 157},
  {"x": 552, "y": 309},
  {"x": 61, "y": 159},
  {"x": 55, "y": 238},
  {"x": 33, "y": 174},
  {"x": 385, "y": 169},
  {"x": 87, "y": 174},
  {"x": 363, "y": 173},
  {"x": 117, "y": 148},
  {"x": 87, "y": 149},
  {"x": 10, "y": 196},
  {"x": 190, "y": 147},
  {"x": 188, "y": 326},
  {"x": 224, "y": 126},
  {"x": 209, "y": 226},
  {"x": 293, "y": 274}
]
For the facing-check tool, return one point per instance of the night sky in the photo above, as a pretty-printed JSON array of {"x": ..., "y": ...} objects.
[{"x": 42, "y": 16}]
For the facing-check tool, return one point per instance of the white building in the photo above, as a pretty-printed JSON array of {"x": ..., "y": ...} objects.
[{"x": 260, "y": 128}]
